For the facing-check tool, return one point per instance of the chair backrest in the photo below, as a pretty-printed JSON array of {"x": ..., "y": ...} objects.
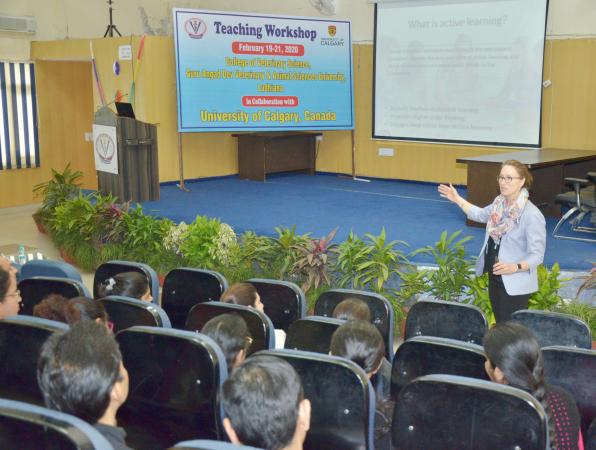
[
  {"x": 184, "y": 287},
  {"x": 31, "y": 427},
  {"x": 260, "y": 326},
  {"x": 342, "y": 400},
  {"x": 202, "y": 444},
  {"x": 34, "y": 290},
  {"x": 574, "y": 370},
  {"x": 111, "y": 268},
  {"x": 125, "y": 312},
  {"x": 21, "y": 338},
  {"x": 380, "y": 308},
  {"x": 428, "y": 355},
  {"x": 446, "y": 319},
  {"x": 49, "y": 268},
  {"x": 553, "y": 328},
  {"x": 174, "y": 379},
  {"x": 284, "y": 301},
  {"x": 446, "y": 412},
  {"x": 312, "y": 334}
]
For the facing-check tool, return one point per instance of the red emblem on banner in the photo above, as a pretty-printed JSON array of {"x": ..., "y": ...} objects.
[{"x": 331, "y": 29}]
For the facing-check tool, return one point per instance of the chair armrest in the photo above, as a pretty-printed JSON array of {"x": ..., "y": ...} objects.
[
  {"x": 591, "y": 176},
  {"x": 577, "y": 182}
]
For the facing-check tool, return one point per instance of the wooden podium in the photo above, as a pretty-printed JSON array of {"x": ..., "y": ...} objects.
[
  {"x": 138, "y": 174},
  {"x": 260, "y": 154}
]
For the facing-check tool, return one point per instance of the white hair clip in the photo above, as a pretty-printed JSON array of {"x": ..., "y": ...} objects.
[{"x": 110, "y": 284}]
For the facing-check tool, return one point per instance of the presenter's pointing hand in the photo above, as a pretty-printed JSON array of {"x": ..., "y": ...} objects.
[{"x": 448, "y": 192}]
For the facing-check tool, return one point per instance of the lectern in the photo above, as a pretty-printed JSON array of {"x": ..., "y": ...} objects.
[{"x": 137, "y": 179}]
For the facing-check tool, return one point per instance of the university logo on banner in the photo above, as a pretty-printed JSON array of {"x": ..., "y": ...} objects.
[
  {"x": 332, "y": 29},
  {"x": 105, "y": 149},
  {"x": 195, "y": 28}
]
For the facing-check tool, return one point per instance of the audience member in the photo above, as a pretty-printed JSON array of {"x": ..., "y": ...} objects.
[
  {"x": 127, "y": 284},
  {"x": 362, "y": 343},
  {"x": 243, "y": 294},
  {"x": 6, "y": 265},
  {"x": 10, "y": 296},
  {"x": 230, "y": 332},
  {"x": 264, "y": 405},
  {"x": 80, "y": 309},
  {"x": 352, "y": 309},
  {"x": 514, "y": 357},
  {"x": 80, "y": 372},
  {"x": 51, "y": 308}
]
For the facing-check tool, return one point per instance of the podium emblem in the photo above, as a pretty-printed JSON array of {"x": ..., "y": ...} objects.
[{"x": 105, "y": 148}]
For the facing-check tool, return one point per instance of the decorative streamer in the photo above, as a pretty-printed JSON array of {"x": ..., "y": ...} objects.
[
  {"x": 118, "y": 96},
  {"x": 96, "y": 76},
  {"x": 131, "y": 96}
]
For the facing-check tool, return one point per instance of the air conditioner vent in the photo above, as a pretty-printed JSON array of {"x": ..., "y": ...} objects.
[{"x": 18, "y": 24}]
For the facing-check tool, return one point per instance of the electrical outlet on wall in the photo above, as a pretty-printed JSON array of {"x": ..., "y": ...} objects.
[{"x": 385, "y": 151}]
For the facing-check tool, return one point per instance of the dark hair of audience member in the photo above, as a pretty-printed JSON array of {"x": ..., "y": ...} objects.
[
  {"x": 77, "y": 370},
  {"x": 240, "y": 294},
  {"x": 515, "y": 351},
  {"x": 360, "y": 342},
  {"x": 352, "y": 309},
  {"x": 230, "y": 332},
  {"x": 261, "y": 399},
  {"x": 4, "y": 284},
  {"x": 79, "y": 309},
  {"x": 127, "y": 284},
  {"x": 51, "y": 307}
]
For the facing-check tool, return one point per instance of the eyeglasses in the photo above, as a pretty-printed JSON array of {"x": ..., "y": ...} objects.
[
  {"x": 507, "y": 179},
  {"x": 16, "y": 293}
]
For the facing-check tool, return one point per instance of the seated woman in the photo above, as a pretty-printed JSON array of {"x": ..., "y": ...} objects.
[
  {"x": 80, "y": 309},
  {"x": 127, "y": 284},
  {"x": 10, "y": 296},
  {"x": 363, "y": 344},
  {"x": 352, "y": 308},
  {"x": 51, "y": 308},
  {"x": 514, "y": 357},
  {"x": 230, "y": 332}
]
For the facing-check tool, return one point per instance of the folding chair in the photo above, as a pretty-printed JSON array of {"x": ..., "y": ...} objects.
[
  {"x": 445, "y": 412},
  {"x": 342, "y": 400},
  {"x": 446, "y": 319},
  {"x": 184, "y": 287},
  {"x": 312, "y": 334},
  {"x": 581, "y": 201},
  {"x": 34, "y": 290},
  {"x": 174, "y": 379},
  {"x": 125, "y": 312},
  {"x": 111, "y": 268},
  {"x": 553, "y": 328},
  {"x": 260, "y": 327},
  {"x": 380, "y": 308},
  {"x": 21, "y": 338},
  {"x": 284, "y": 301},
  {"x": 429, "y": 355},
  {"x": 31, "y": 427}
]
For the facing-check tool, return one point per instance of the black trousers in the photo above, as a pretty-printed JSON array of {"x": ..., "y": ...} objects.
[{"x": 504, "y": 304}]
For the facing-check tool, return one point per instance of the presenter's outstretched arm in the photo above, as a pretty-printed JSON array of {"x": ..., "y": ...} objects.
[{"x": 450, "y": 193}]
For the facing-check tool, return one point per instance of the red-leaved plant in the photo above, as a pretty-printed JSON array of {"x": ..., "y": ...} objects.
[{"x": 313, "y": 261}]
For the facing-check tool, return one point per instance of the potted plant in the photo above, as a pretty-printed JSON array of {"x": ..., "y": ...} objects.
[{"x": 313, "y": 262}]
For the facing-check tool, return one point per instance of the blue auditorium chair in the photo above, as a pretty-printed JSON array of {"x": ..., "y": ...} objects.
[
  {"x": 34, "y": 290},
  {"x": 30, "y": 427},
  {"x": 202, "y": 444},
  {"x": 342, "y": 400},
  {"x": 184, "y": 287},
  {"x": 553, "y": 328},
  {"x": 21, "y": 338},
  {"x": 381, "y": 311},
  {"x": 284, "y": 301},
  {"x": 446, "y": 412},
  {"x": 125, "y": 312},
  {"x": 49, "y": 268},
  {"x": 111, "y": 268},
  {"x": 446, "y": 319},
  {"x": 174, "y": 379},
  {"x": 312, "y": 334},
  {"x": 259, "y": 325}
]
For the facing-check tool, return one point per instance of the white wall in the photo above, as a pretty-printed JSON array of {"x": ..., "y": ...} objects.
[{"x": 68, "y": 19}]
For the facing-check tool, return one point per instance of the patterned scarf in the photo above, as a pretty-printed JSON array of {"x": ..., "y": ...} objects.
[{"x": 503, "y": 216}]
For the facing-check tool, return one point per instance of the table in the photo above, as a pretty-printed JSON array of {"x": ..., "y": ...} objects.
[
  {"x": 260, "y": 154},
  {"x": 548, "y": 166}
]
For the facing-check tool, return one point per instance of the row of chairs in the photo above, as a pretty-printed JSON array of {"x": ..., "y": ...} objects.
[{"x": 175, "y": 375}]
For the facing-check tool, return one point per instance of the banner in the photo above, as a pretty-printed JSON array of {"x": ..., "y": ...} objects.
[
  {"x": 244, "y": 72},
  {"x": 105, "y": 148}
]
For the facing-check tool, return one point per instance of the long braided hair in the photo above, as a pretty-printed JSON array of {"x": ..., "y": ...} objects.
[{"x": 516, "y": 352}]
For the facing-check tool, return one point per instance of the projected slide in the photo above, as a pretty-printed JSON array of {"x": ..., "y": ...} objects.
[
  {"x": 243, "y": 72},
  {"x": 465, "y": 71}
]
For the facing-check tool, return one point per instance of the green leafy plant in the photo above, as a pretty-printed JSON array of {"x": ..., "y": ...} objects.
[
  {"x": 255, "y": 250},
  {"x": 285, "y": 251},
  {"x": 109, "y": 220},
  {"x": 351, "y": 253},
  {"x": 145, "y": 237},
  {"x": 62, "y": 186},
  {"x": 208, "y": 243},
  {"x": 413, "y": 282},
  {"x": 585, "y": 312},
  {"x": 479, "y": 293},
  {"x": 73, "y": 222},
  {"x": 547, "y": 297},
  {"x": 312, "y": 264},
  {"x": 450, "y": 281}
]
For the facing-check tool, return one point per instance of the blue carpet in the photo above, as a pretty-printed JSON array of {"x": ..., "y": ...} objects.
[{"x": 409, "y": 211}]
